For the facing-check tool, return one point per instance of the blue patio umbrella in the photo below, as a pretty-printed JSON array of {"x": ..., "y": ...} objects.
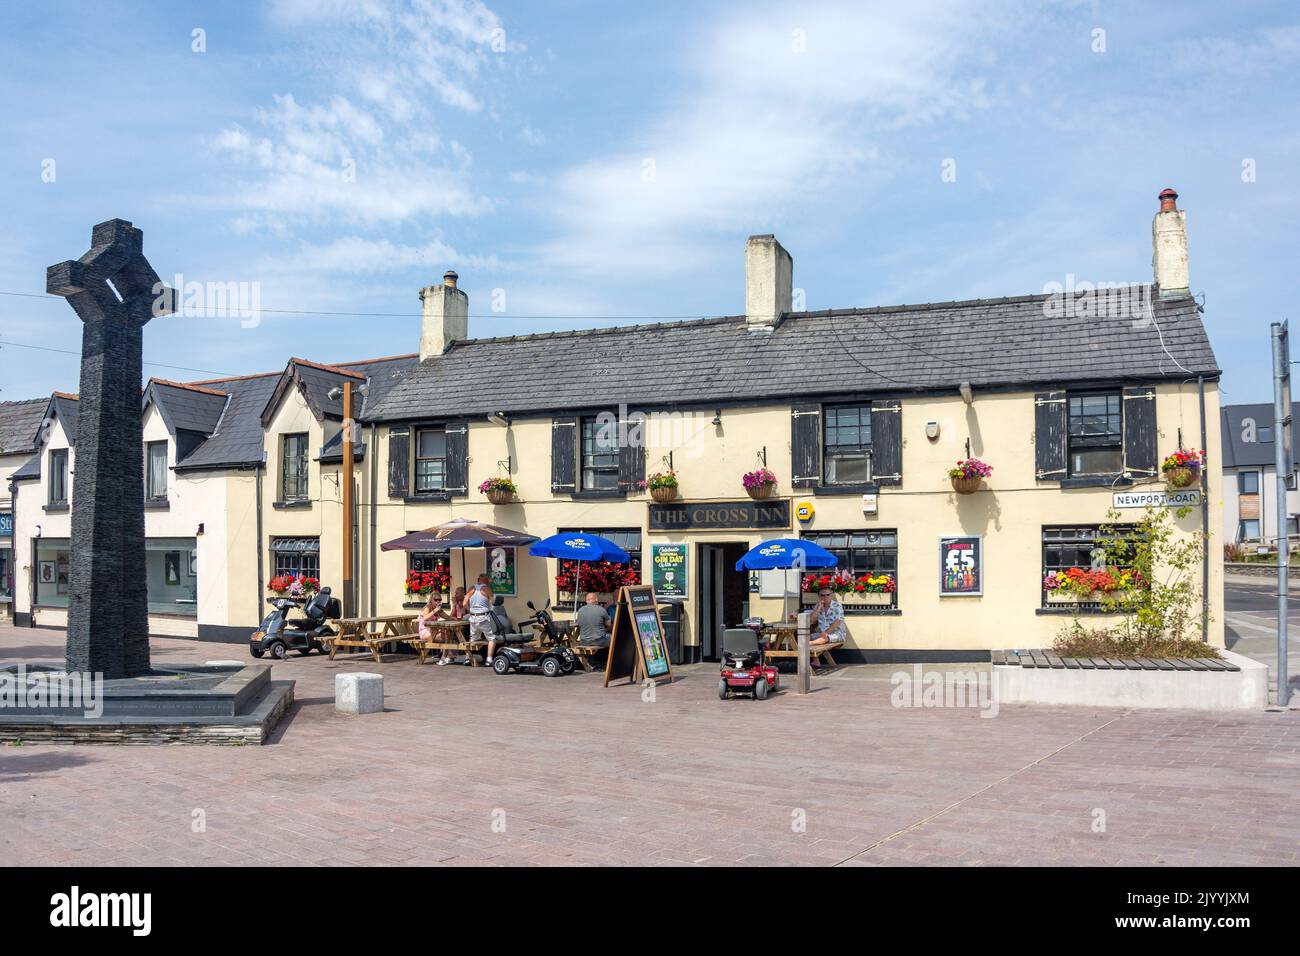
[
  {"x": 579, "y": 546},
  {"x": 785, "y": 553}
]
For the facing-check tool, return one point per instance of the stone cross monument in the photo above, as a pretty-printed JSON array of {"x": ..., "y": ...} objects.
[{"x": 114, "y": 291}]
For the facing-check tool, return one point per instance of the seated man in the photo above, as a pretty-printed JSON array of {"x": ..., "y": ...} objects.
[
  {"x": 828, "y": 624},
  {"x": 593, "y": 623}
]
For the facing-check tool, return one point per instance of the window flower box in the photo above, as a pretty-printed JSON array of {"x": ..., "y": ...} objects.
[{"x": 867, "y": 598}]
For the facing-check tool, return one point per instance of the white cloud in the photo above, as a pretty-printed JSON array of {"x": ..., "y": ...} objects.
[
  {"x": 786, "y": 103},
  {"x": 359, "y": 255},
  {"x": 368, "y": 152}
]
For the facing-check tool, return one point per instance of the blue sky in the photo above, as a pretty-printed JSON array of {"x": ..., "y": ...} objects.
[{"x": 577, "y": 162}]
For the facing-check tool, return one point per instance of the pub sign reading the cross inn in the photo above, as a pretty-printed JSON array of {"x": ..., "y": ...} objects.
[{"x": 720, "y": 515}]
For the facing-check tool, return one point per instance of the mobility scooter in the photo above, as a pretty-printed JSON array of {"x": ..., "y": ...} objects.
[
  {"x": 744, "y": 667},
  {"x": 518, "y": 653},
  {"x": 279, "y": 634}
]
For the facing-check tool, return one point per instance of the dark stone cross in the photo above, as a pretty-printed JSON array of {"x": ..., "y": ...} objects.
[{"x": 114, "y": 291}]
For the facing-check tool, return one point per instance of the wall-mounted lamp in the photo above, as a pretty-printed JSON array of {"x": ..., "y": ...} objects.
[
  {"x": 967, "y": 395},
  {"x": 932, "y": 431},
  {"x": 499, "y": 418},
  {"x": 717, "y": 418},
  {"x": 200, "y": 530}
]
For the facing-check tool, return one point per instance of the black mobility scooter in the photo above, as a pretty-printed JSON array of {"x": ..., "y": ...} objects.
[
  {"x": 279, "y": 633},
  {"x": 517, "y": 652}
]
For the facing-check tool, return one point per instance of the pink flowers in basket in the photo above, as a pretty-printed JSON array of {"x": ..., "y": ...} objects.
[{"x": 970, "y": 468}]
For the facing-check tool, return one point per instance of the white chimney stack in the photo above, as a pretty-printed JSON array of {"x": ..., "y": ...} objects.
[
  {"x": 1169, "y": 246},
  {"x": 446, "y": 316},
  {"x": 769, "y": 282}
]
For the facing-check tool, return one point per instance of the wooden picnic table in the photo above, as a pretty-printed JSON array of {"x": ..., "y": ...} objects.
[
  {"x": 447, "y": 634},
  {"x": 372, "y": 633},
  {"x": 783, "y": 641}
]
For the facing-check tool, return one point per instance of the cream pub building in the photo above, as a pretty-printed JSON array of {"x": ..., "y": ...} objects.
[{"x": 858, "y": 412}]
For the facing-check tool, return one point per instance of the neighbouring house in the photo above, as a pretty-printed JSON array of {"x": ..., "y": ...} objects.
[
  {"x": 20, "y": 426},
  {"x": 1073, "y": 397},
  {"x": 1250, "y": 497}
]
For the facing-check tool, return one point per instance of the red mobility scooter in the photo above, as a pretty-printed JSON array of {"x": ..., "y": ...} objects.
[{"x": 744, "y": 668}]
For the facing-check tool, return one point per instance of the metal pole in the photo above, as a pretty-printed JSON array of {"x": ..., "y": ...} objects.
[
  {"x": 349, "y": 595},
  {"x": 1205, "y": 523},
  {"x": 804, "y": 682},
  {"x": 1282, "y": 465}
]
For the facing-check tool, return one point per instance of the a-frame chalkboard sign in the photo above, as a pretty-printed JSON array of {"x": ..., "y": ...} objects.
[{"x": 637, "y": 648}]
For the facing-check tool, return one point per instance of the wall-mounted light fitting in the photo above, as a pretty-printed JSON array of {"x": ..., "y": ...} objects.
[
  {"x": 499, "y": 418},
  {"x": 967, "y": 395},
  {"x": 932, "y": 430}
]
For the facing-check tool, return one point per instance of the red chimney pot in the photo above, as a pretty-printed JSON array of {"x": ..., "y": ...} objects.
[{"x": 1168, "y": 200}]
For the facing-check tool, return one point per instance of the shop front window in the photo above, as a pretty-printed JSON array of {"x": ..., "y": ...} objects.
[
  {"x": 860, "y": 554},
  {"x": 172, "y": 575},
  {"x": 6, "y": 575},
  {"x": 53, "y": 561},
  {"x": 295, "y": 556}
]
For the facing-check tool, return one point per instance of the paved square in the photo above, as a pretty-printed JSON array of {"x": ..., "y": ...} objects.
[{"x": 465, "y": 767}]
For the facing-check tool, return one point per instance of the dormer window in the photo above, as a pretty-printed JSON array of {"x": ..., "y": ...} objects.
[
  {"x": 155, "y": 470},
  {"x": 293, "y": 467},
  {"x": 58, "y": 488}
]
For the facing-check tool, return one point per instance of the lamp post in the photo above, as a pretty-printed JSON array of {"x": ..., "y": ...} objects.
[{"x": 349, "y": 600}]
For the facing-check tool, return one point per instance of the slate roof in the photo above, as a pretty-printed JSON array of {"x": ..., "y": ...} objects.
[
  {"x": 20, "y": 423},
  {"x": 64, "y": 406},
  {"x": 986, "y": 342},
  {"x": 237, "y": 437},
  {"x": 1238, "y": 453},
  {"x": 31, "y": 468},
  {"x": 184, "y": 407}
]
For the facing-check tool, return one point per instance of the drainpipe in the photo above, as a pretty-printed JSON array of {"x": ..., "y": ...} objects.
[
  {"x": 374, "y": 513},
  {"x": 1205, "y": 527},
  {"x": 261, "y": 571}
]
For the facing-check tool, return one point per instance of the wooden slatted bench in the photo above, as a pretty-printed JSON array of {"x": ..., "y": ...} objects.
[
  {"x": 449, "y": 635},
  {"x": 1041, "y": 658}
]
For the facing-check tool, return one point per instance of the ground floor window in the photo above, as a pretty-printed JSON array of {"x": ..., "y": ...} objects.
[
  {"x": 1082, "y": 547},
  {"x": 172, "y": 575},
  {"x": 872, "y": 555},
  {"x": 603, "y": 577},
  {"x": 295, "y": 556},
  {"x": 53, "y": 565},
  {"x": 1248, "y": 530},
  {"x": 6, "y": 575},
  {"x": 426, "y": 570}
]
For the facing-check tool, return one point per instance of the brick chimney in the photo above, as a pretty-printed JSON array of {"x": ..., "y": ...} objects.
[
  {"x": 769, "y": 282},
  {"x": 1169, "y": 246},
  {"x": 446, "y": 316}
]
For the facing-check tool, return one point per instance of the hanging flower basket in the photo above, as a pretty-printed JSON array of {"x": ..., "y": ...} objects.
[
  {"x": 759, "y": 484},
  {"x": 1183, "y": 468},
  {"x": 967, "y": 474},
  {"x": 662, "y": 485},
  {"x": 499, "y": 491}
]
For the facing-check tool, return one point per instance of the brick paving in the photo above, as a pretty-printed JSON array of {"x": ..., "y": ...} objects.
[{"x": 573, "y": 773}]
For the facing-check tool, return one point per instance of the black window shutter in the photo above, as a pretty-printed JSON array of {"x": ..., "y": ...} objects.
[
  {"x": 887, "y": 442},
  {"x": 805, "y": 446},
  {"x": 458, "y": 459},
  {"x": 1051, "y": 421},
  {"x": 631, "y": 452},
  {"x": 399, "y": 462},
  {"x": 564, "y": 464},
  {"x": 1140, "y": 432}
]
